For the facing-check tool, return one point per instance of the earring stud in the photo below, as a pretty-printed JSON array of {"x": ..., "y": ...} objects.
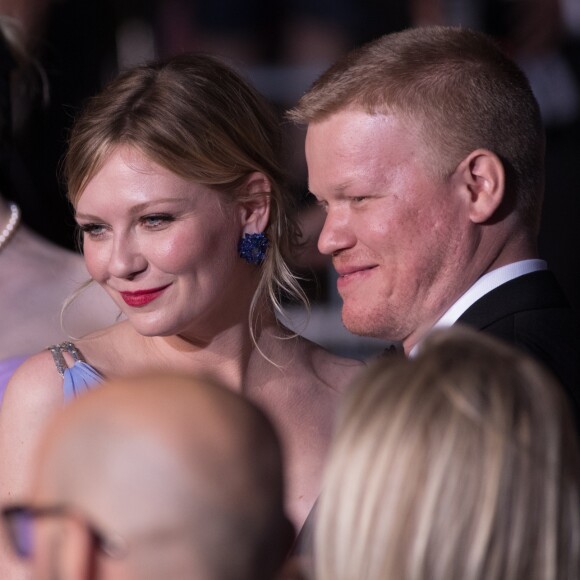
[{"x": 252, "y": 248}]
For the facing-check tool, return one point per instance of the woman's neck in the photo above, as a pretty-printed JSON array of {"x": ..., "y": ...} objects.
[{"x": 225, "y": 354}]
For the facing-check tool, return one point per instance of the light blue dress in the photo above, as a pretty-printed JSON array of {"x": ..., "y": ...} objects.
[{"x": 78, "y": 378}]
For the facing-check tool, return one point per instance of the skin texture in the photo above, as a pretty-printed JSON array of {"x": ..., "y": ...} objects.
[
  {"x": 295, "y": 381},
  {"x": 172, "y": 465},
  {"x": 405, "y": 242}
]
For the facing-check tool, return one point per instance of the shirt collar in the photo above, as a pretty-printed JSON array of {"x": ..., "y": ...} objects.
[{"x": 483, "y": 286}]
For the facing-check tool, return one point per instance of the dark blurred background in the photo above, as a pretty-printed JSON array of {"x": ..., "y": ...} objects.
[{"x": 281, "y": 47}]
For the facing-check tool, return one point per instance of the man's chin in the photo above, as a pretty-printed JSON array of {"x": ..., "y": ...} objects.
[
  {"x": 362, "y": 327},
  {"x": 372, "y": 325}
]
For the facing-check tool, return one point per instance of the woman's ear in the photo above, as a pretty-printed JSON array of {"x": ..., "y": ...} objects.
[
  {"x": 255, "y": 207},
  {"x": 482, "y": 177}
]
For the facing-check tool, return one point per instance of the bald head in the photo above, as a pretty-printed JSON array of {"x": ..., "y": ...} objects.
[{"x": 188, "y": 473}]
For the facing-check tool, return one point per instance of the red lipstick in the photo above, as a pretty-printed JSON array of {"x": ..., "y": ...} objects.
[{"x": 142, "y": 297}]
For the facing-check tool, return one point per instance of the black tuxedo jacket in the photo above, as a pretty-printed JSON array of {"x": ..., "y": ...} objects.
[{"x": 532, "y": 313}]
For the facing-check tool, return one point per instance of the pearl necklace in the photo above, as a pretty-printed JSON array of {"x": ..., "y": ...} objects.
[{"x": 11, "y": 226}]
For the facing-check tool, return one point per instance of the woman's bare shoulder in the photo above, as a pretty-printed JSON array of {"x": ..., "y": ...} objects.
[
  {"x": 35, "y": 382},
  {"x": 38, "y": 376},
  {"x": 33, "y": 395}
]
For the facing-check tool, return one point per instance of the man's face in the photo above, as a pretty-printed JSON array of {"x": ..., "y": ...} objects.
[{"x": 397, "y": 233}]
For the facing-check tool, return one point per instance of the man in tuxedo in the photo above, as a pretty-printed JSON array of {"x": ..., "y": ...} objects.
[{"x": 426, "y": 150}]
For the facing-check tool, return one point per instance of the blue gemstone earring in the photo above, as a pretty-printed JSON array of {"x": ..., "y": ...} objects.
[{"x": 252, "y": 247}]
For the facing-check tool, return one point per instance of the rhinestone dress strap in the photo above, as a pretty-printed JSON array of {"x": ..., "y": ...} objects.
[{"x": 57, "y": 350}]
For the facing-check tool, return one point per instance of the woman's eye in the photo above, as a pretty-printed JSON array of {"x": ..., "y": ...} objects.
[
  {"x": 92, "y": 230},
  {"x": 156, "y": 221}
]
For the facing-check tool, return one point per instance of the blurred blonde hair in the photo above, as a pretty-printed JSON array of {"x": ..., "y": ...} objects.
[{"x": 461, "y": 464}]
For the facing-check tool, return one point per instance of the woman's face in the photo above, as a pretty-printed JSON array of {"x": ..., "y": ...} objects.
[{"x": 164, "y": 248}]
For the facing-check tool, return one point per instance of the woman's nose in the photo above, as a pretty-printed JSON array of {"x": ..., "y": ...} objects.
[{"x": 126, "y": 259}]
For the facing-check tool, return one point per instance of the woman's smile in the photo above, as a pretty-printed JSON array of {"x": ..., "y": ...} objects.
[{"x": 141, "y": 298}]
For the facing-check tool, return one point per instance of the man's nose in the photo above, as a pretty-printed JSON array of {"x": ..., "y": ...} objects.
[{"x": 336, "y": 234}]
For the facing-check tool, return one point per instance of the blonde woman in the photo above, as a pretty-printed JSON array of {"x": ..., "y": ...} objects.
[
  {"x": 174, "y": 173},
  {"x": 460, "y": 464}
]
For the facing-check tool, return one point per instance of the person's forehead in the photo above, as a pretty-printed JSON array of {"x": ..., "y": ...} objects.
[
  {"x": 348, "y": 131},
  {"x": 352, "y": 145}
]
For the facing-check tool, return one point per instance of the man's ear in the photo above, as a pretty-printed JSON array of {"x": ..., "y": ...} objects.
[
  {"x": 482, "y": 175},
  {"x": 78, "y": 551},
  {"x": 255, "y": 204}
]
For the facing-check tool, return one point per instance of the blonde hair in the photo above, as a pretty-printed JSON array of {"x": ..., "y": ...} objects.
[
  {"x": 197, "y": 117},
  {"x": 461, "y": 464}
]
